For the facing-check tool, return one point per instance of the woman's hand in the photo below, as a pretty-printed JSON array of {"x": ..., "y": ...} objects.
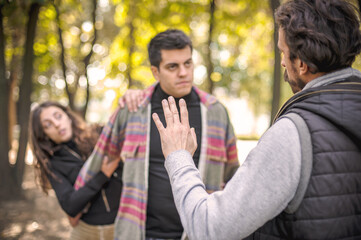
[
  {"x": 108, "y": 167},
  {"x": 74, "y": 221},
  {"x": 132, "y": 98},
  {"x": 177, "y": 135}
]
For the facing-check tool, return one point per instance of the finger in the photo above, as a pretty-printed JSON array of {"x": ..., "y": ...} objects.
[
  {"x": 128, "y": 101},
  {"x": 121, "y": 102},
  {"x": 173, "y": 109},
  {"x": 158, "y": 123},
  {"x": 132, "y": 101},
  {"x": 194, "y": 141},
  {"x": 106, "y": 159},
  {"x": 167, "y": 113},
  {"x": 194, "y": 137},
  {"x": 184, "y": 113},
  {"x": 135, "y": 100},
  {"x": 114, "y": 160},
  {"x": 140, "y": 98}
]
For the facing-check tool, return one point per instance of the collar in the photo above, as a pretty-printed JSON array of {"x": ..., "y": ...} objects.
[
  {"x": 332, "y": 77},
  {"x": 205, "y": 98}
]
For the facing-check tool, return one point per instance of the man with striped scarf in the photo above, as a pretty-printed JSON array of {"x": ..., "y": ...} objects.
[{"x": 147, "y": 209}]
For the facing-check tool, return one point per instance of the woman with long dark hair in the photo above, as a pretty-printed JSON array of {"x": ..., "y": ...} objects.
[{"x": 61, "y": 142}]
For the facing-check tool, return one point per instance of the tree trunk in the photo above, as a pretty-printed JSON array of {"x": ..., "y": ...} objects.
[
  {"x": 209, "y": 63},
  {"x": 25, "y": 92},
  {"x": 69, "y": 92},
  {"x": 131, "y": 41},
  {"x": 15, "y": 69},
  {"x": 87, "y": 61},
  {"x": 276, "y": 95},
  {"x": 5, "y": 169}
]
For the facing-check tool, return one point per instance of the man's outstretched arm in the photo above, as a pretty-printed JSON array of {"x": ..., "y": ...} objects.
[{"x": 259, "y": 191}]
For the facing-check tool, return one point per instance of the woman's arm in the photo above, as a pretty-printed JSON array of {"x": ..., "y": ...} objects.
[{"x": 74, "y": 201}]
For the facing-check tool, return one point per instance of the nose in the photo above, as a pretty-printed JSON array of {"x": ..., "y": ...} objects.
[
  {"x": 283, "y": 62},
  {"x": 182, "y": 71},
  {"x": 56, "y": 123}
]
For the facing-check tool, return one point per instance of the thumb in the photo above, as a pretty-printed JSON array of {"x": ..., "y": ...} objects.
[
  {"x": 192, "y": 141},
  {"x": 194, "y": 137},
  {"x": 106, "y": 159}
]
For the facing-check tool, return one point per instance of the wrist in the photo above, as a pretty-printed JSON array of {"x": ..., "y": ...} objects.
[{"x": 107, "y": 175}]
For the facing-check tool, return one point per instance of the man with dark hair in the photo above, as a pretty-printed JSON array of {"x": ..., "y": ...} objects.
[
  {"x": 168, "y": 40},
  {"x": 147, "y": 209},
  {"x": 303, "y": 179}
]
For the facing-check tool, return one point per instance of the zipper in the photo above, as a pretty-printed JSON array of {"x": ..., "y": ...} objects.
[
  {"x": 75, "y": 154},
  {"x": 105, "y": 200}
]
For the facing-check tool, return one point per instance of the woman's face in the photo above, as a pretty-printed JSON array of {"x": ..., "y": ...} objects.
[{"x": 56, "y": 124}]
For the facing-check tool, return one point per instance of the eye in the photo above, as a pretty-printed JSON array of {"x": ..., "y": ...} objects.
[
  {"x": 47, "y": 124},
  {"x": 188, "y": 63},
  {"x": 172, "y": 66},
  {"x": 58, "y": 115}
]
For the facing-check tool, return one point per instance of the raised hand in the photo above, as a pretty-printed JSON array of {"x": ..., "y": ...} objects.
[
  {"x": 177, "y": 135},
  {"x": 132, "y": 98}
]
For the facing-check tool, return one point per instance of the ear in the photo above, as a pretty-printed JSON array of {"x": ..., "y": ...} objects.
[
  {"x": 303, "y": 68},
  {"x": 155, "y": 72}
]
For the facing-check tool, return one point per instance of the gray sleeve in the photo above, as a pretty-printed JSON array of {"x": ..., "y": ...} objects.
[{"x": 260, "y": 189}]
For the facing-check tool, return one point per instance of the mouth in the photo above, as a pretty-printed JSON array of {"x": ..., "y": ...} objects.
[
  {"x": 183, "y": 83},
  {"x": 62, "y": 132}
]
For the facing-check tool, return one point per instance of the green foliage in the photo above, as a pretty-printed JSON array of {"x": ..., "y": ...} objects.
[{"x": 241, "y": 45}]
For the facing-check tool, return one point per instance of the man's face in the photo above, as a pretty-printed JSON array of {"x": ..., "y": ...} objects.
[
  {"x": 175, "y": 73},
  {"x": 291, "y": 74}
]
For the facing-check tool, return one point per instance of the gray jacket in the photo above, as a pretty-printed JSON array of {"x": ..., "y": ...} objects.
[{"x": 264, "y": 186}]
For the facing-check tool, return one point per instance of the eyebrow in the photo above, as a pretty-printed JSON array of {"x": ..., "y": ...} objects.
[
  {"x": 53, "y": 114},
  {"x": 45, "y": 121},
  {"x": 171, "y": 63},
  {"x": 174, "y": 63}
]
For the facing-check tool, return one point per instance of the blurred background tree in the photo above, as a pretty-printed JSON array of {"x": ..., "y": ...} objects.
[{"x": 85, "y": 54}]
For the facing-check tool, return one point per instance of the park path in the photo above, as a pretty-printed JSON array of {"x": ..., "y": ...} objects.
[{"x": 38, "y": 217}]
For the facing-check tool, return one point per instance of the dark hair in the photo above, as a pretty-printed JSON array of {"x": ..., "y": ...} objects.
[
  {"x": 168, "y": 40},
  {"x": 324, "y": 34},
  {"x": 43, "y": 148}
]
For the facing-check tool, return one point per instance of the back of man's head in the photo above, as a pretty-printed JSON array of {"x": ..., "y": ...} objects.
[
  {"x": 325, "y": 34},
  {"x": 167, "y": 40}
]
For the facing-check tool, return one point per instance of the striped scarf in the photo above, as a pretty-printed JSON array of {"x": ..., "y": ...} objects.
[{"x": 126, "y": 135}]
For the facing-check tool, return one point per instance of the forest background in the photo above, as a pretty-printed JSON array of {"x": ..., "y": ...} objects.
[{"x": 87, "y": 53}]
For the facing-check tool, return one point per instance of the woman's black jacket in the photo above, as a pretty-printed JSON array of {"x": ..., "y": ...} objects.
[{"x": 102, "y": 193}]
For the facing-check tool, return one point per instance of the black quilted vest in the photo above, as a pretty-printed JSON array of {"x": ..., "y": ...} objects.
[{"x": 331, "y": 206}]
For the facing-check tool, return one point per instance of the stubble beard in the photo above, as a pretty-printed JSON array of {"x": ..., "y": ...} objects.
[{"x": 296, "y": 85}]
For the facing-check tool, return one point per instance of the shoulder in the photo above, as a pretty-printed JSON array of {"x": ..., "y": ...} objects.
[
  {"x": 207, "y": 99},
  {"x": 284, "y": 130},
  {"x": 65, "y": 156},
  {"x": 65, "y": 165}
]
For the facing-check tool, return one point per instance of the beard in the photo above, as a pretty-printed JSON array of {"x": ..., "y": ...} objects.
[
  {"x": 285, "y": 76},
  {"x": 296, "y": 85}
]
